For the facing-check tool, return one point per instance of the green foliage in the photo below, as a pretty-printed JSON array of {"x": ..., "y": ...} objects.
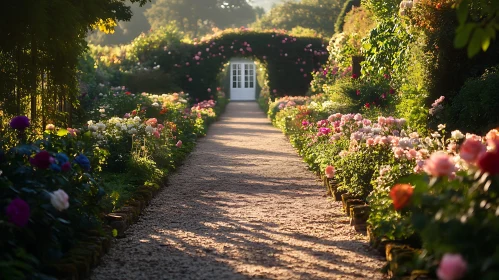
[
  {"x": 340, "y": 20},
  {"x": 386, "y": 47},
  {"x": 478, "y": 25},
  {"x": 475, "y": 108},
  {"x": 319, "y": 15},
  {"x": 198, "y": 17},
  {"x": 354, "y": 175},
  {"x": 40, "y": 51},
  {"x": 195, "y": 67},
  {"x": 460, "y": 217}
]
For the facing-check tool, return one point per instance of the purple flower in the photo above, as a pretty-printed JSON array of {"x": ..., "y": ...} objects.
[
  {"x": 19, "y": 123},
  {"x": 18, "y": 212},
  {"x": 42, "y": 160}
]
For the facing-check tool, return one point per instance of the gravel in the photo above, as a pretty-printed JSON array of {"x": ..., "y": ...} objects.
[{"x": 243, "y": 206}]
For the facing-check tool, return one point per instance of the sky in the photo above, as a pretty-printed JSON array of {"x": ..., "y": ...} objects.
[{"x": 266, "y": 4}]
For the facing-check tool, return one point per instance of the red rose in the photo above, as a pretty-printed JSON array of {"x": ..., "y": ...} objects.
[
  {"x": 401, "y": 194},
  {"x": 489, "y": 162}
]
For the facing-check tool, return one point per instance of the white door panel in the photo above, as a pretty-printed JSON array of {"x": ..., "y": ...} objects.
[{"x": 242, "y": 81}]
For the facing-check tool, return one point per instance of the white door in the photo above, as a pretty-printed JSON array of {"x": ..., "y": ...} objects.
[{"x": 242, "y": 81}]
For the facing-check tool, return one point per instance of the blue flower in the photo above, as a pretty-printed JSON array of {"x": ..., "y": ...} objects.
[
  {"x": 55, "y": 167},
  {"x": 83, "y": 161},
  {"x": 62, "y": 158}
]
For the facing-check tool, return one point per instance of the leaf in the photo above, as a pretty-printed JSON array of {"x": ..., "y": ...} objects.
[
  {"x": 462, "y": 12},
  {"x": 62, "y": 132},
  {"x": 63, "y": 221},
  {"x": 476, "y": 42},
  {"x": 463, "y": 35}
]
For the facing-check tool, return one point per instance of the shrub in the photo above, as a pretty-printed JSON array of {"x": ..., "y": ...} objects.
[{"x": 476, "y": 107}]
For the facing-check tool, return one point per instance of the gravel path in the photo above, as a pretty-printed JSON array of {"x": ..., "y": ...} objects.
[{"x": 243, "y": 206}]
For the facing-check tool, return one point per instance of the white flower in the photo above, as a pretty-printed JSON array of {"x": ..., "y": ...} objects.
[
  {"x": 60, "y": 200},
  {"x": 441, "y": 126},
  {"x": 155, "y": 104},
  {"x": 102, "y": 110},
  {"x": 149, "y": 129},
  {"x": 456, "y": 134},
  {"x": 132, "y": 131},
  {"x": 101, "y": 126},
  {"x": 92, "y": 127}
]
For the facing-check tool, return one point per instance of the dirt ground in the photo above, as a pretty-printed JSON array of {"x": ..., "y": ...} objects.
[{"x": 243, "y": 206}]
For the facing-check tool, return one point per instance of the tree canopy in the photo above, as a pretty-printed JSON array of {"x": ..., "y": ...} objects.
[
  {"x": 198, "y": 17},
  {"x": 41, "y": 44},
  {"x": 319, "y": 15}
]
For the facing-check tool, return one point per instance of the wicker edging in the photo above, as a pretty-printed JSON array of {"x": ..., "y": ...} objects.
[
  {"x": 88, "y": 251},
  {"x": 397, "y": 254}
]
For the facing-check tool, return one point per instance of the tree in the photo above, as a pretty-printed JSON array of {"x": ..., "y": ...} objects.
[
  {"x": 40, "y": 48},
  {"x": 319, "y": 15},
  {"x": 198, "y": 17},
  {"x": 126, "y": 31}
]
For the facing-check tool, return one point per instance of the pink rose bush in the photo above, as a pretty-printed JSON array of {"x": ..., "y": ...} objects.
[{"x": 436, "y": 186}]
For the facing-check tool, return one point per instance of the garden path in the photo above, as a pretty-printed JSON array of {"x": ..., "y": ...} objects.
[{"x": 243, "y": 206}]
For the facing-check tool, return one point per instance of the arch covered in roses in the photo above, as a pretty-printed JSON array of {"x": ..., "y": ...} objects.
[{"x": 289, "y": 60}]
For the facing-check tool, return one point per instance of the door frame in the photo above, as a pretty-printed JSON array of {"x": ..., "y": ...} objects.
[{"x": 242, "y": 63}]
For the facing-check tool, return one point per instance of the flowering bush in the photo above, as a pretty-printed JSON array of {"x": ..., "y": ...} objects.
[
  {"x": 454, "y": 209},
  {"x": 56, "y": 186},
  {"x": 49, "y": 199}
]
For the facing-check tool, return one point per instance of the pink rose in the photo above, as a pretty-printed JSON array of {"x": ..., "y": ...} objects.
[
  {"x": 370, "y": 141},
  {"x": 179, "y": 144},
  {"x": 439, "y": 164},
  {"x": 329, "y": 171},
  {"x": 399, "y": 152},
  {"x": 156, "y": 134},
  {"x": 471, "y": 150},
  {"x": 411, "y": 154},
  {"x": 452, "y": 267}
]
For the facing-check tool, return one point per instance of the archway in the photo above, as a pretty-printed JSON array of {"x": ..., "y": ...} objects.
[{"x": 288, "y": 60}]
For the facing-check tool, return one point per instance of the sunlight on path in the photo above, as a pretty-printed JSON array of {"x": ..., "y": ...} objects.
[{"x": 243, "y": 206}]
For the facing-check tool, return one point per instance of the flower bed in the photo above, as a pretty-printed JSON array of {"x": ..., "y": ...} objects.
[
  {"x": 435, "y": 195},
  {"x": 57, "y": 188}
]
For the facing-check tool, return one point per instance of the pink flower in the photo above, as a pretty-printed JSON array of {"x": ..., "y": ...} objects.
[
  {"x": 439, "y": 164},
  {"x": 18, "y": 212},
  {"x": 156, "y": 134},
  {"x": 152, "y": 122},
  {"x": 411, "y": 154},
  {"x": 381, "y": 120},
  {"x": 370, "y": 141},
  {"x": 471, "y": 150},
  {"x": 452, "y": 267},
  {"x": 324, "y": 130},
  {"x": 179, "y": 144},
  {"x": 329, "y": 171},
  {"x": 399, "y": 152}
]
